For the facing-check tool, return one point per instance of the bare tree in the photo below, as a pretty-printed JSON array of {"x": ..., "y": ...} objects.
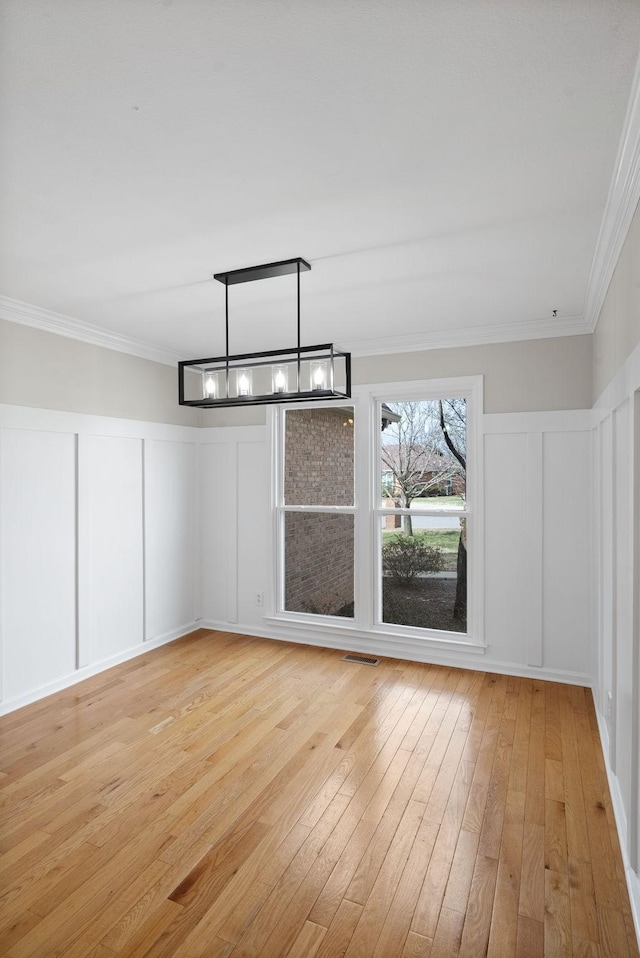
[{"x": 416, "y": 456}]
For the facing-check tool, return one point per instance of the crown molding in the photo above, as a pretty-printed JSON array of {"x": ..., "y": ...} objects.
[
  {"x": 624, "y": 194},
  {"x": 470, "y": 336},
  {"x": 45, "y": 319},
  {"x": 25, "y": 314}
]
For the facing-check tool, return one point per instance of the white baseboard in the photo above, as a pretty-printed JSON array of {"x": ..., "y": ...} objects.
[
  {"x": 633, "y": 880},
  {"x": 72, "y": 678},
  {"x": 467, "y": 657}
]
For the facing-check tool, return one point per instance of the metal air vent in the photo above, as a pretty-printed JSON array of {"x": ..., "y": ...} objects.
[{"x": 361, "y": 659}]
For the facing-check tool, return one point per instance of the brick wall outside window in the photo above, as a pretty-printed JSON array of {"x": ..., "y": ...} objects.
[{"x": 318, "y": 471}]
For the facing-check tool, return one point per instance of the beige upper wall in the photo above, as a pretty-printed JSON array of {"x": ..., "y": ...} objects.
[
  {"x": 532, "y": 376},
  {"x": 618, "y": 330},
  {"x": 55, "y": 372}
]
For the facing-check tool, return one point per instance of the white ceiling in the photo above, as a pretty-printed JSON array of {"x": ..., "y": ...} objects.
[{"x": 444, "y": 166}]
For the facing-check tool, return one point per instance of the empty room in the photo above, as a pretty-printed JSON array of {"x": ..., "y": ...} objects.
[{"x": 320, "y": 478}]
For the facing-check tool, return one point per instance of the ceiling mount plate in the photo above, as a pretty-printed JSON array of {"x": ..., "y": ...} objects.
[{"x": 267, "y": 271}]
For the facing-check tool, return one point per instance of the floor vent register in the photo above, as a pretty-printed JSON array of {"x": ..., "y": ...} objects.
[{"x": 361, "y": 659}]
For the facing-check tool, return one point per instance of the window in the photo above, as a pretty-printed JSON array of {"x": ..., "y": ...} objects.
[
  {"x": 316, "y": 511},
  {"x": 422, "y": 518},
  {"x": 377, "y": 524}
]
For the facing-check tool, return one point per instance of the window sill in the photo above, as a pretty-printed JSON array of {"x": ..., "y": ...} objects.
[{"x": 405, "y": 638}]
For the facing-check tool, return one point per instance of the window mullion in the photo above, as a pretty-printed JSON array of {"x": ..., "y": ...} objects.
[{"x": 310, "y": 508}]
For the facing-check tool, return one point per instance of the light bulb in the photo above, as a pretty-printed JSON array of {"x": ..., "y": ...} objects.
[
  {"x": 279, "y": 380},
  {"x": 210, "y": 387},
  {"x": 244, "y": 383},
  {"x": 318, "y": 376}
]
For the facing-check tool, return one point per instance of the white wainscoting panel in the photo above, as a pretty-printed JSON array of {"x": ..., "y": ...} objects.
[
  {"x": 508, "y": 594},
  {"x": 634, "y": 815},
  {"x": 216, "y": 520},
  {"x": 234, "y": 515},
  {"x": 617, "y": 421},
  {"x": 605, "y": 548},
  {"x": 171, "y": 542},
  {"x": 532, "y": 557},
  {"x": 73, "y": 549},
  {"x": 567, "y": 543},
  {"x": 623, "y": 600},
  {"x": 38, "y": 558},
  {"x": 539, "y": 541},
  {"x": 253, "y": 561},
  {"x": 111, "y": 561}
]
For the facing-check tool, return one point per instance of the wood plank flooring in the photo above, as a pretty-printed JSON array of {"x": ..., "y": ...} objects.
[{"x": 232, "y": 796}]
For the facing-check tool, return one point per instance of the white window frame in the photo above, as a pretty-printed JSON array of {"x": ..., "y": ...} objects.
[
  {"x": 469, "y": 388},
  {"x": 280, "y": 510},
  {"x": 366, "y": 510}
]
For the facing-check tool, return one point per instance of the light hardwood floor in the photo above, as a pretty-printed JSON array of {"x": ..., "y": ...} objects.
[{"x": 227, "y": 795}]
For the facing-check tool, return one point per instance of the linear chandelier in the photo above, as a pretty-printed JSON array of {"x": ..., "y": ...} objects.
[{"x": 301, "y": 373}]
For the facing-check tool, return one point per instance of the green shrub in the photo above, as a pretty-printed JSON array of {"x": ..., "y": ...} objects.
[{"x": 406, "y": 557}]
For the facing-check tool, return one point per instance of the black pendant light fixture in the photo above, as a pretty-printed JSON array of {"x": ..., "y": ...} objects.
[{"x": 301, "y": 373}]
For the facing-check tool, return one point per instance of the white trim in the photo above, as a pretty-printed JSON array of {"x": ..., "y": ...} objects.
[
  {"x": 634, "y": 830},
  {"x": 613, "y": 532},
  {"x": 373, "y": 643},
  {"x": 367, "y": 599},
  {"x": 598, "y": 568},
  {"x": 620, "y": 207},
  {"x": 86, "y": 672},
  {"x": 1, "y": 572},
  {"x": 385, "y": 631},
  {"x": 83, "y": 550},
  {"x": 624, "y": 383},
  {"x": 273, "y": 599},
  {"x": 632, "y": 879},
  {"x": 606, "y": 638},
  {"x": 49, "y": 321},
  {"x": 407, "y": 388},
  {"x": 144, "y": 447},
  {"x": 225, "y": 434},
  {"x": 196, "y": 558},
  {"x": 344, "y": 510},
  {"x": 53, "y": 420},
  {"x": 25, "y": 314},
  {"x": 145, "y": 539},
  {"x": 535, "y": 550},
  {"x": 231, "y": 504}
]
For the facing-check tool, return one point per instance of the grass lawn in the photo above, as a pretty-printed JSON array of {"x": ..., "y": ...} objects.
[{"x": 445, "y": 539}]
